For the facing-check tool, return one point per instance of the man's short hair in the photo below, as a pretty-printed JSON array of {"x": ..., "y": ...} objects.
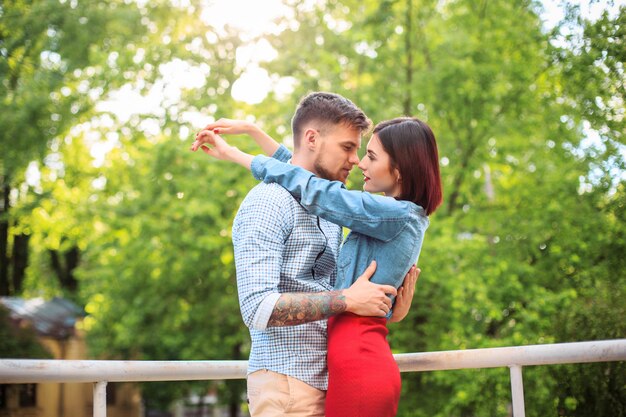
[{"x": 327, "y": 109}]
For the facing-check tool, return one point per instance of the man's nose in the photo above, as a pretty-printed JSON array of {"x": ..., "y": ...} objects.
[{"x": 354, "y": 159}]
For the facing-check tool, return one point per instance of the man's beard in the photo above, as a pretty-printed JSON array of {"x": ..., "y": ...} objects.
[{"x": 324, "y": 173}]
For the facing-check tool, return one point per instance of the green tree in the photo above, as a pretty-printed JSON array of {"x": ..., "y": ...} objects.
[
  {"x": 509, "y": 252},
  {"x": 158, "y": 260},
  {"x": 159, "y": 272},
  {"x": 51, "y": 75},
  {"x": 74, "y": 57},
  {"x": 527, "y": 248}
]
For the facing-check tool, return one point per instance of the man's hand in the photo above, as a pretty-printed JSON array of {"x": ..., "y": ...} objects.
[
  {"x": 365, "y": 298},
  {"x": 405, "y": 295}
]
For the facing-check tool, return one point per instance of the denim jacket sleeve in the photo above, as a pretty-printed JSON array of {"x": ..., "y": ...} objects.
[
  {"x": 282, "y": 154},
  {"x": 372, "y": 215}
]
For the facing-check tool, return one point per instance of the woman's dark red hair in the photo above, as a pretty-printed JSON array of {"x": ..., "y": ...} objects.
[{"x": 412, "y": 148}]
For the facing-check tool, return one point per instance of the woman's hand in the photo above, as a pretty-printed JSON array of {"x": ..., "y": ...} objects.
[
  {"x": 231, "y": 127},
  {"x": 214, "y": 145},
  {"x": 405, "y": 295},
  {"x": 243, "y": 127}
]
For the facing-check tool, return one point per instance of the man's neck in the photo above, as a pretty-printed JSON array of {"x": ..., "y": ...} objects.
[{"x": 302, "y": 161}]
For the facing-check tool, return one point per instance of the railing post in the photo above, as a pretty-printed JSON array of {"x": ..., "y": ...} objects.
[
  {"x": 100, "y": 399},
  {"x": 517, "y": 391}
]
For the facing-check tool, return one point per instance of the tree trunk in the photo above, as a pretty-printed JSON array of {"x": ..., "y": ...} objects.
[
  {"x": 65, "y": 271},
  {"x": 408, "y": 46},
  {"x": 4, "y": 237},
  {"x": 20, "y": 261},
  {"x": 459, "y": 177}
]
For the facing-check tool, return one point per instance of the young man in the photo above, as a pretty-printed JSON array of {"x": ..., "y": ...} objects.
[{"x": 286, "y": 264}]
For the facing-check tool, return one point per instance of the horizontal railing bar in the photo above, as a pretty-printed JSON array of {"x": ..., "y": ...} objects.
[
  {"x": 549, "y": 354},
  {"x": 31, "y": 371}
]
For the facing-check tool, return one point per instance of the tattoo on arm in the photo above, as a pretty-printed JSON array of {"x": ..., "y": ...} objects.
[{"x": 298, "y": 308}]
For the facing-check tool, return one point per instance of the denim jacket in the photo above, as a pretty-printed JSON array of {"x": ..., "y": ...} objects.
[{"x": 383, "y": 229}]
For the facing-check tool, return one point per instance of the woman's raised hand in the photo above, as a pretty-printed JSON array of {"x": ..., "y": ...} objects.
[
  {"x": 243, "y": 127},
  {"x": 214, "y": 145},
  {"x": 231, "y": 127}
]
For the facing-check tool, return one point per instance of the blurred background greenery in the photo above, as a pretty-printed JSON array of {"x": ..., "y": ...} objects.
[{"x": 102, "y": 202}]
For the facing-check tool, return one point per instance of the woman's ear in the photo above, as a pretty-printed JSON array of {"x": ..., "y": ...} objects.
[{"x": 396, "y": 173}]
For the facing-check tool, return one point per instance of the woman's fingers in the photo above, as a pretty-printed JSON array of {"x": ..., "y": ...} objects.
[
  {"x": 218, "y": 129},
  {"x": 413, "y": 275},
  {"x": 207, "y": 150},
  {"x": 203, "y": 137},
  {"x": 415, "y": 278},
  {"x": 226, "y": 126}
]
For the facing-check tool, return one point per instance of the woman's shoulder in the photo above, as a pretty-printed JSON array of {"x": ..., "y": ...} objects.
[
  {"x": 412, "y": 214},
  {"x": 419, "y": 213},
  {"x": 417, "y": 210},
  {"x": 404, "y": 208}
]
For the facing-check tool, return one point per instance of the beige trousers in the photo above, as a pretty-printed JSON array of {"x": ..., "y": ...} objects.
[{"x": 271, "y": 394}]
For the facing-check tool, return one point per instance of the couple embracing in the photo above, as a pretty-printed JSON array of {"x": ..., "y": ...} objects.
[{"x": 317, "y": 308}]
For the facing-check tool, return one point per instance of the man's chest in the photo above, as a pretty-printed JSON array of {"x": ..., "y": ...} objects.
[{"x": 313, "y": 244}]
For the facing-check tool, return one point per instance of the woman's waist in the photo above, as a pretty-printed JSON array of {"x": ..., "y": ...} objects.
[
  {"x": 393, "y": 260},
  {"x": 390, "y": 270},
  {"x": 352, "y": 324},
  {"x": 354, "y": 339}
]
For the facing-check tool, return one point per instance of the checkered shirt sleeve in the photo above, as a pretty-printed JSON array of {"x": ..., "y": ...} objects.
[
  {"x": 262, "y": 225},
  {"x": 280, "y": 248}
]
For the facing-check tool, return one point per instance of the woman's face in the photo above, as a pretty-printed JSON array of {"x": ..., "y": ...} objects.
[{"x": 376, "y": 167}]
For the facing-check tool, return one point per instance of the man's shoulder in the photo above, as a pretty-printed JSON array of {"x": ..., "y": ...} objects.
[
  {"x": 266, "y": 206},
  {"x": 268, "y": 194},
  {"x": 267, "y": 200}
]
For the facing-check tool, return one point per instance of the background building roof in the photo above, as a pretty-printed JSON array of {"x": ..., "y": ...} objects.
[{"x": 54, "y": 318}]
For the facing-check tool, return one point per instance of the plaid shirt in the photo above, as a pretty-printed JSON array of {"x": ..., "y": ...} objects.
[{"x": 280, "y": 248}]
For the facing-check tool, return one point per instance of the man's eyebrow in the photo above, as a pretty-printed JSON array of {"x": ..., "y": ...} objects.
[{"x": 349, "y": 143}]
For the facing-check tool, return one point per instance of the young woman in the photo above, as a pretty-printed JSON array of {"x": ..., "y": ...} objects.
[{"x": 402, "y": 163}]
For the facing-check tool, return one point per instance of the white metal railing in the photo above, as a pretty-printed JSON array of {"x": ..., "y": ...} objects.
[{"x": 100, "y": 372}]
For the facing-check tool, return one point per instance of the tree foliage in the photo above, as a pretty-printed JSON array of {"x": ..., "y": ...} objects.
[
  {"x": 528, "y": 247},
  {"x": 54, "y": 56},
  {"x": 513, "y": 253}
]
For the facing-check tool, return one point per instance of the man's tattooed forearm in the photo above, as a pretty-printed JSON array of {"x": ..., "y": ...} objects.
[{"x": 298, "y": 308}]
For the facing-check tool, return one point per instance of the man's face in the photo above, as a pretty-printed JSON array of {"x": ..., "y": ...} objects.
[{"x": 337, "y": 152}]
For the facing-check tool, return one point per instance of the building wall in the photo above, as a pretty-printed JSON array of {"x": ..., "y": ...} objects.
[{"x": 71, "y": 399}]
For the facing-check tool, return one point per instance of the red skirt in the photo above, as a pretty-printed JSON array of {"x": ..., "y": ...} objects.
[{"x": 363, "y": 377}]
